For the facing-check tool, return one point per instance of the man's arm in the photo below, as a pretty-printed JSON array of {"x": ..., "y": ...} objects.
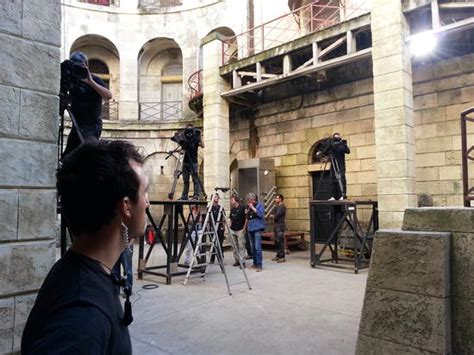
[
  {"x": 100, "y": 89},
  {"x": 347, "y": 150}
]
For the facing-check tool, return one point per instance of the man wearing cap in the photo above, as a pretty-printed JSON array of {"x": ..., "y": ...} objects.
[{"x": 86, "y": 104}]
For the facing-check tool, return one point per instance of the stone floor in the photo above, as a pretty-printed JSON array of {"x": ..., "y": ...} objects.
[{"x": 291, "y": 309}]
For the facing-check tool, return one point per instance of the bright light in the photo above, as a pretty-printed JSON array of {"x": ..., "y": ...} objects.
[
  {"x": 266, "y": 172},
  {"x": 423, "y": 44}
]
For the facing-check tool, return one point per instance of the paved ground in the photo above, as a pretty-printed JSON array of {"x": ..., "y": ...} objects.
[{"x": 291, "y": 309}]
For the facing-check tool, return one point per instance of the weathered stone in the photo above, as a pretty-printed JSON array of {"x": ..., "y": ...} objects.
[
  {"x": 10, "y": 16},
  {"x": 42, "y": 21},
  {"x": 29, "y": 64},
  {"x": 462, "y": 265},
  {"x": 7, "y": 318},
  {"x": 24, "y": 265},
  {"x": 439, "y": 219},
  {"x": 27, "y": 163},
  {"x": 463, "y": 325},
  {"x": 8, "y": 214},
  {"x": 407, "y": 319},
  {"x": 9, "y": 110},
  {"x": 39, "y": 115},
  {"x": 419, "y": 272},
  {"x": 371, "y": 346},
  {"x": 23, "y": 306},
  {"x": 37, "y": 214}
]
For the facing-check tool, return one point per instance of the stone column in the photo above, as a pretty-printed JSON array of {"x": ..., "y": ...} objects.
[
  {"x": 216, "y": 117},
  {"x": 393, "y": 106},
  {"x": 29, "y": 83},
  {"x": 128, "y": 106}
]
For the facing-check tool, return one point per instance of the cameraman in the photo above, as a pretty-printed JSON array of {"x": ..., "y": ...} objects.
[
  {"x": 86, "y": 104},
  {"x": 193, "y": 140},
  {"x": 340, "y": 149}
]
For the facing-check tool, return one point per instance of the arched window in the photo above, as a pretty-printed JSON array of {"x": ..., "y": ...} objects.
[
  {"x": 173, "y": 69},
  {"x": 99, "y": 68}
]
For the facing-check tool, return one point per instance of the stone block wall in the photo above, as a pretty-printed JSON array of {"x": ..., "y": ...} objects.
[
  {"x": 29, "y": 83},
  {"x": 419, "y": 295},
  {"x": 287, "y": 135},
  {"x": 442, "y": 91}
]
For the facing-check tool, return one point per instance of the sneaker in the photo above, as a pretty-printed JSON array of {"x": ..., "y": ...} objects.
[
  {"x": 281, "y": 260},
  {"x": 276, "y": 258},
  {"x": 236, "y": 264},
  {"x": 342, "y": 198},
  {"x": 258, "y": 268},
  {"x": 332, "y": 199}
]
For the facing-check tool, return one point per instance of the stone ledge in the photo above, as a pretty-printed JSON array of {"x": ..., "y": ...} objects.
[
  {"x": 407, "y": 319},
  {"x": 374, "y": 346},
  {"x": 439, "y": 219},
  {"x": 415, "y": 262}
]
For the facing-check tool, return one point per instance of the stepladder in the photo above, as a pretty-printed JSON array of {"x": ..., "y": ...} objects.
[{"x": 208, "y": 247}]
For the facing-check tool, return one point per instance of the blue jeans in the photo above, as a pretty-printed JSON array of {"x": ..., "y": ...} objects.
[
  {"x": 256, "y": 243},
  {"x": 126, "y": 261}
]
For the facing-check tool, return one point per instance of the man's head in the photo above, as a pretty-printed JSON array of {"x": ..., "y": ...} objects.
[
  {"x": 79, "y": 58},
  {"x": 336, "y": 136},
  {"x": 234, "y": 201},
  {"x": 279, "y": 199},
  {"x": 215, "y": 199},
  {"x": 100, "y": 183},
  {"x": 251, "y": 198}
]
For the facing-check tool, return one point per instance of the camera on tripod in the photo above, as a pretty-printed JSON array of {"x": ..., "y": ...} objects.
[
  {"x": 71, "y": 74},
  {"x": 326, "y": 147},
  {"x": 186, "y": 137}
]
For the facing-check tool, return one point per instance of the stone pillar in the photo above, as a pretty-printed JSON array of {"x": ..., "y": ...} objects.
[
  {"x": 29, "y": 82},
  {"x": 128, "y": 102},
  {"x": 216, "y": 118},
  {"x": 393, "y": 106}
]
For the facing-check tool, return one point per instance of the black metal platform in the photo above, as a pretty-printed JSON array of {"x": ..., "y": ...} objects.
[
  {"x": 173, "y": 244},
  {"x": 328, "y": 218}
]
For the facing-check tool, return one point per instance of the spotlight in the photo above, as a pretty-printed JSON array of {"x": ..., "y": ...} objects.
[
  {"x": 266, "y": 172},
  {"x": 423, "y": 44}
]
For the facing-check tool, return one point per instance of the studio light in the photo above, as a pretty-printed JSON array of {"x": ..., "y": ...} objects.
[{"x": 423, "y": 44}]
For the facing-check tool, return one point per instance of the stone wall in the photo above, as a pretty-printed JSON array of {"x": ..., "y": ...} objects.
[
  {"x": 29, "y": 83},
  {"x": 287, "y": 132},
  {"x": 441, "y": 91}
]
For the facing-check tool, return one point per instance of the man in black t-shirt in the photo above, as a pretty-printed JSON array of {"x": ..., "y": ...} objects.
[
  {"x": 340, "y": 149},
  {"x": 103, "y": 192},
  {"x": 86, "y": 105},
  {"x": 218, "y": 219},
  {"x": 279, "y": 228},
  {"x": 190, "y": 161},
  {"x": 237, "y": 227}
]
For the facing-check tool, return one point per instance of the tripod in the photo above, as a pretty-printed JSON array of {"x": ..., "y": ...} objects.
[
  {"x": 207, "y": 249},
  {"x": 178, "y": 171},
  {"x": 337, "y": 174}
]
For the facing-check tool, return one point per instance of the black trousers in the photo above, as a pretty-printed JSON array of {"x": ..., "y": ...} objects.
[
  {"x": 279, "y": 235},
  {"x": 87, "y": 130}
]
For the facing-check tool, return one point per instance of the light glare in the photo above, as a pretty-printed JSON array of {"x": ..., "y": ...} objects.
[{"x": 423, "y": 44}]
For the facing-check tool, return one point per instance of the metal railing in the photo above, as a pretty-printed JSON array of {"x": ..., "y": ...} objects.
[
  {"x": 161, "y": 111},
  {"x": 286, "y": 28},
  {"x": 102, "y": 2},
  {"x": 158, "y": 4},
  {"x": 467, "y": 153},
  {"x": 195, "y": 84},
  {"x": 110, "y": 110}
]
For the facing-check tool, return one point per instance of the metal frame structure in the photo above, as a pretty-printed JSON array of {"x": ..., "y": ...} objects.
[
  {"x": 173, "y": 245},
  {"x": 161, "y": 111},
  {"x": 467, "y": 155},
  {"x": 286, "y": 28},
  {"x": 348, "y": 217}
]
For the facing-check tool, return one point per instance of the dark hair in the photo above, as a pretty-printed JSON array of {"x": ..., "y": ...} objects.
[
  {"x": 280, "y": 196},
  {"x": 93, "y": 179},
  {"x": 236, "y": 198}
]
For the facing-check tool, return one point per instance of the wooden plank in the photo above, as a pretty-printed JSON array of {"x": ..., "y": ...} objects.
[
  {"x": 332, "y": 47},
  {"x": 435, "y": 21},
  {"x": 286, "y": 64},
  {"x": 236, "y": 80},
  {"x": 254, "y": 74}
]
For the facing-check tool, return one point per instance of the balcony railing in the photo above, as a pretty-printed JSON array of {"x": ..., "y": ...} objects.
[
  {"x": 161, "y": 111},
  {"x": 110, "y": 110},
  {"x": 195, "y": 84},
  {"x": 300, "y": 22},
  {"x": 102, "y": 2},
  {"x": 151, "y": 5}
]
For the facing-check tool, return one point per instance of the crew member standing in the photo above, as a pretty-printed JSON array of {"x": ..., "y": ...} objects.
[
  {"x": 190, "y": 162},
  {"x": 86, "y": 104},
  {"x": 340, "y": 149},
  {"x": 237, "y": 227},
  {"x": 279, "y": 228},
  {"x": 219, "y": 224}
]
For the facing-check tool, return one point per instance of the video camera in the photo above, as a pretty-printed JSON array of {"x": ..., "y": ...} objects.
[
  {"x": 186, "y": 137},
  {"x": 71, "y": 74},
  {"x": 326, "y": 146}
]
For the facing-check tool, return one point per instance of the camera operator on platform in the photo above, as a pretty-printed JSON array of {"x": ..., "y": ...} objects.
[
  {"x": 340, "y": 149},
  {"x": 86, "y": 104},
  {"x": 190, "y": 162}
]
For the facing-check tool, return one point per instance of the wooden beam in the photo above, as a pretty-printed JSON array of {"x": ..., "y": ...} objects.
[
  {"x": 315, "y": 50},
  {"x": 331, "y": 63},
  {"x": 259, "y": 71},
  {"x": 171, "y": 79},
  {"x": 332, "y": 46},
  {"x": 351, "y": 42},
  {"x": 286, "y": 64},
  {"x": 435, "y": 21},
  {"x": 462, "y": 25},
  {"x": 456, "y": 5},
  {"x": 254, "y": 74},
  {"x": 236, "y": 79}
]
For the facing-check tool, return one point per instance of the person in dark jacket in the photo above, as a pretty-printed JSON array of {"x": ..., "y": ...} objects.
[
  {"x": 340, "y": 149},
  {"x": 279, "y": 228},
  {"x": 255, "y": 227}
]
